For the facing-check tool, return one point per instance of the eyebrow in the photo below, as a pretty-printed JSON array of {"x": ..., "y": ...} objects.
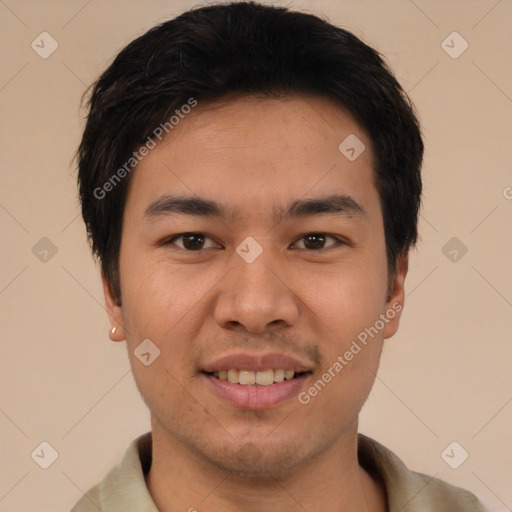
[{"x": 335, "y": 204}]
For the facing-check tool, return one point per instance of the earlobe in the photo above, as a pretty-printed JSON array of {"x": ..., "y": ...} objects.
[
  {"x": 396, "y": 296},
  {"x": 116, "y": 334},
  {"x": 114, "y": 311}
]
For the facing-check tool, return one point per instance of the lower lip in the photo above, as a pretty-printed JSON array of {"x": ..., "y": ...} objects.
[{"x": 256, "y": 397}]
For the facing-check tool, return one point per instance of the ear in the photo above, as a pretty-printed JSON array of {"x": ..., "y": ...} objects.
[
  {"x": 115, "y": 313},
  {"x": 396, "y": 296}
]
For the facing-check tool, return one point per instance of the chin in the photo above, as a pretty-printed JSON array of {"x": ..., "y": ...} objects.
[
  {"x": 264, "y": 469},
  {"x": 257, "y": 460}
]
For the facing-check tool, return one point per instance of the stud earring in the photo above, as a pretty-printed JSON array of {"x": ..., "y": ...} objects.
[{"x": 113, "y": 331}]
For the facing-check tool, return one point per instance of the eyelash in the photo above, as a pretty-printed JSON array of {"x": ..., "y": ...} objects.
[{"x": 170, "y": 241}]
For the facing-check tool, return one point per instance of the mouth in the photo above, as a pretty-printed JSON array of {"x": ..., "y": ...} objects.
[
  {"x": 256, "y": 381},
  {"x": 257, "y": 378}
]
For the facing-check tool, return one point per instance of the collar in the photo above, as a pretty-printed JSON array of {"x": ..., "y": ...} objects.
[{"x": 124, "y": 488}]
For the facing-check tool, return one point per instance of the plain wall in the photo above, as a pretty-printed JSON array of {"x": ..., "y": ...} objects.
[{"x": 444, "y": 377}]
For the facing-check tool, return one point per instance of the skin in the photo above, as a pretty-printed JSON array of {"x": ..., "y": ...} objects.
[{"x": 253, "y": 154}]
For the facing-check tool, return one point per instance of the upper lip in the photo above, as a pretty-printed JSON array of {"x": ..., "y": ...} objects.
[{"x": 257, "y": 362}]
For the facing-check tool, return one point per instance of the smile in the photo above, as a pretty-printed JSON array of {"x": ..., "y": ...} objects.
[
  {"x": 255, "y": 378},
  {"x": 248, "y": 394}
]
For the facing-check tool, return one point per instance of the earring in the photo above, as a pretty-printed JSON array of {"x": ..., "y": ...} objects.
[{"x": 113, "y": 331}]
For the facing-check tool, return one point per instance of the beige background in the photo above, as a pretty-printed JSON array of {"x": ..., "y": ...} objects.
[{"x": 444, "y": 377}]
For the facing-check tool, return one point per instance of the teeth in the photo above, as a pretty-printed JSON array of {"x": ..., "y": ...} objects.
[
  {"x": 279, "y": 375},
  {"x": 233, "y": 376},
  {"x": 249, "y": 378},
  {"x": 246, "y": 378},
  {"x": 264, "y": 378},
  {"x": 288, "y": 374}
]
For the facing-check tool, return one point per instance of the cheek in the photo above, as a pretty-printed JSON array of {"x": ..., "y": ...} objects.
[
  {"x": 348, "y": 298},
  {"x": 351, "y": 344},
  {"x": 168, "y": 305},
  {"x": 155, "y": 293}
]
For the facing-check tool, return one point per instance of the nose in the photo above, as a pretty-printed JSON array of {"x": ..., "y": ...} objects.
[{"x": 256, "y": 297}]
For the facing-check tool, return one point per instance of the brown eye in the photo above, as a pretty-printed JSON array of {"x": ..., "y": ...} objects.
[
  {"x": 316, "y": 241},
  {"x": 190, "y": 241}
]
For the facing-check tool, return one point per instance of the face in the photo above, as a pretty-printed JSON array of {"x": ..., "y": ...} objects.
[{"x": 281, "y": 266}]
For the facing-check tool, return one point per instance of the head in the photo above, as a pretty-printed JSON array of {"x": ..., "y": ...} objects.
[{"x": 246, "y": 106}]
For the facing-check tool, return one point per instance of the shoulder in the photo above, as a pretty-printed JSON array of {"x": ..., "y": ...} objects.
[
  {"x": 124, "y": 488},
  {"x": 410, "y": 491},
  {"x": 442, "y": 496},
  {"x": 89, "y": 502}
]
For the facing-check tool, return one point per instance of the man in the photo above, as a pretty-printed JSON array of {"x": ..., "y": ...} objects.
[{"x": 250, "y": 182}]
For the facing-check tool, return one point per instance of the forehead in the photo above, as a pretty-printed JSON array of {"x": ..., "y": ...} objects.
[{"x": 253, "y": 151}]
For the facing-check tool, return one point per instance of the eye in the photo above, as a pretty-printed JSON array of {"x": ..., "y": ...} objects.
[
  {"x": 195, "y": 242},
  {"x": 316, "y": 241},
  {"x": 191, "y": 241}
]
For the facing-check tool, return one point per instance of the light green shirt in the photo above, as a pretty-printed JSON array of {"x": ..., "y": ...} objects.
[{"x": 124, "y": 488}]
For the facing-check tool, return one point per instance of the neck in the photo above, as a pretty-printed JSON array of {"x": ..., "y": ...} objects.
[{"x": 332, "y": 482}]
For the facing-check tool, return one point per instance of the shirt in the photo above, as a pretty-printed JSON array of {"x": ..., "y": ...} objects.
[{"x": 124, "y": 488}]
